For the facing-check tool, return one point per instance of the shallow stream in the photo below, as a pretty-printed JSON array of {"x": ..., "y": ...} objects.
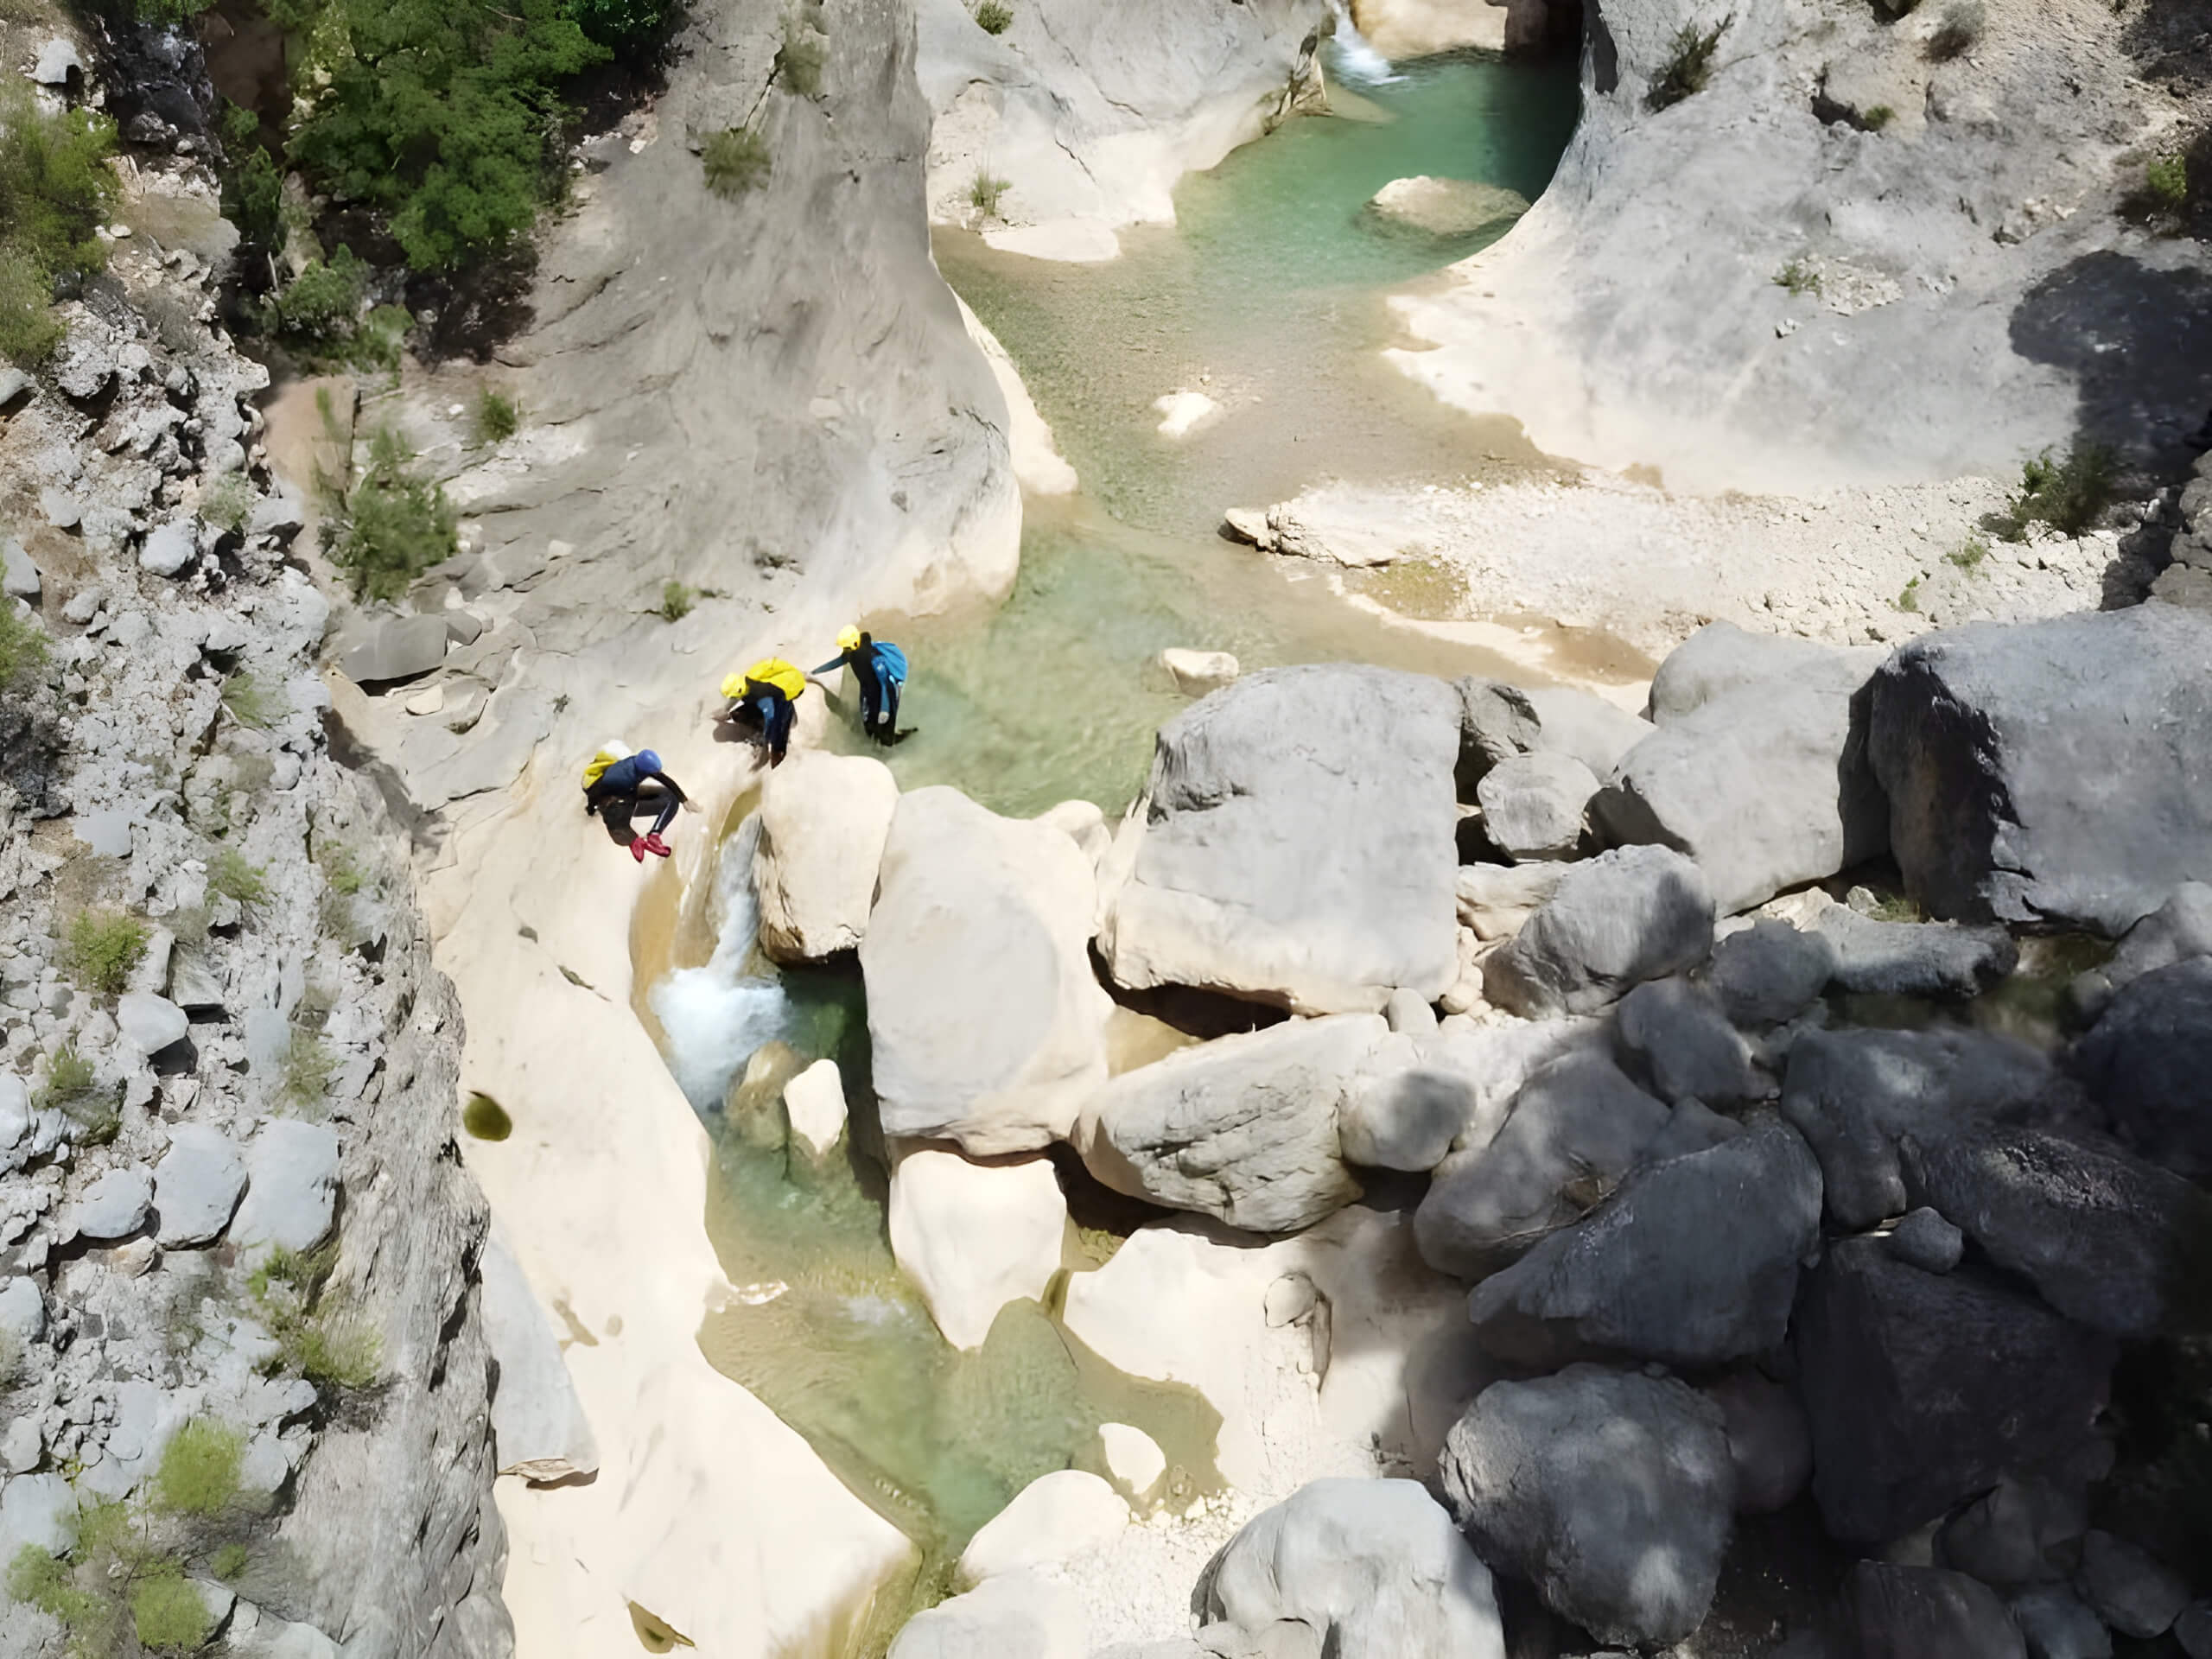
[{"x": 1269, "y": 295}]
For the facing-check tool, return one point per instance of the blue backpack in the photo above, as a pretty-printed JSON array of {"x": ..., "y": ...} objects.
[{"x": 890, "y": 662}]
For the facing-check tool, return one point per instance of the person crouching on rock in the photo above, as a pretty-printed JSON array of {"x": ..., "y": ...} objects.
[
  {"x": 764, "y": 696},
  {"x": 617, "y": 783},
  {"x": 879, "y": 670}
]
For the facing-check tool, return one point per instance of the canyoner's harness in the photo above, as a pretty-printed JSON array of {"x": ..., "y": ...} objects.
[{"x": 769, "y": 689}]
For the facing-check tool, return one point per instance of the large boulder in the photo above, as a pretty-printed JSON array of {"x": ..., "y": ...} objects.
[
  {"x": 1496, "y": 900},
  {"x": 1923, "y": 1389},
  {"x": 1765, "y": 787},
  {"x": 1611, "y": 1491},
  {"x": 1674, "y": 1034},
  {"x": 1054, "y": 1517},
  {"x": 1854, "y": 1095},
  {"x": 1444, "y": 207},
  {"x": 1913, "y": 958},
  {"x": 2056, "y": 1624},
  {"x": 2105, "y": 1238},
  {"x": 974, "y": 1236},
  {"x": 1369, "y": 1569},
  {"x": 2051, "y": 774},
  {"x": 987, "y": 1023},
  {"x": 1721, "y": 658},
  {"x": 1576, "y": 1130},
  {"x": 1242, "y": 1129},
  {"x": 1693, "y": 1263},
  {"x": 197, "y": 1187},
  {"x": 1296, "y": 844},
  {"x": 1919, "y": 1613},
  {"x": 1448, "y": 1089},
  {"x": 1534, "y": 805},
  {"x": 373, "y": 650},
  {"x": 1768, "y": 972},
  {"x": 291, "y": 1196},
  {"x": 2021, "y": 1531},
  {"x": 1020, "y": 1613},
  {"x": 823, "y": 820},
  {"x": 1499, "y": 720},
  {"x": 1768, "y": 1441},
  {"x": 2146, "y": 1061},
  {"x": 2177, "y": 930},
  {"x": 1626, "y": 916},
  {"x": 2131, "y": 1589}
]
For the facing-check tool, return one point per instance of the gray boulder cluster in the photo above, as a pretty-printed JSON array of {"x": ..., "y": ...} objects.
[
  {"x": 1730, "y": 1250},
  {"x": 228, "y": 1202}
]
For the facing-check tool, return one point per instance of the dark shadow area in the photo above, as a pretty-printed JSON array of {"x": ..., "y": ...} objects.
[
  {"x": 1203, "y": 1014},
  {"x": 2138, "y": 342}
]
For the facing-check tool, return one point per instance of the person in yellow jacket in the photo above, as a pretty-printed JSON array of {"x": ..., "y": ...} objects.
[
  {"x": 764, "y": 695},
  {"x": 617, "y": 782}
]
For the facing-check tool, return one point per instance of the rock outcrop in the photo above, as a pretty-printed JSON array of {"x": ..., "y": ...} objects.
[
  {"x": 1295, "y": 845},
  {"x": 1625, "y": 916},
  {"x": 2051, "y": 775},
  {"x": 973, "y": 1236},
  {"x": 823, "y": 820},
  {"x": 2145, "y": 1062}
]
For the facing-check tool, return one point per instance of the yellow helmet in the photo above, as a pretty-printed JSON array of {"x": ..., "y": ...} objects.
[
  {"x": 733, "y": 687},
  {"x": 849, "y": 639}
]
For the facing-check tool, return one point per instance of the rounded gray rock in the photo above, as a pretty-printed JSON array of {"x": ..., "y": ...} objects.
[
  {"x": 1769, "y": 972},
  {"x": 197, "y": 1185},
  {"x": 1533, "y": 805},
  {"x": 1626, "y": 916},
  {"x": 1928, "y": 1242},
  {"x": 170, "y": 547},
  {"x": 292, "y": 1176},
  {"x": 149, "y": 1023},
  {"x": 2131, "y": 1589},
  {"x": 115, "y": 1206}
]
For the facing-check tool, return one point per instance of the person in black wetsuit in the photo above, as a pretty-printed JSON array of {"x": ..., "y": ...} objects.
[
  {"x": 615, "y": 786},
  {"x": 879, "y": 670}
]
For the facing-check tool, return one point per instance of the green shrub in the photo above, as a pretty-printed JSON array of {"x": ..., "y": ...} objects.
[
  {"x": 199, "y": 1470},
  {"x": 46, "y": 1583},
  {"x": 229, "y": 1561},
  {"x": 232, "y": 876},
  {"x": 308, "y": 1067},
  {"x": 619, "y": 25},
  {"x": 2165, "y": 183},
  {"x": 1969, "y": 553},
  {"x": 341, "y": 871},
  {"x": 250, "y": 702},
  {"x": 993, "y": 17},
  {"x": 1689, "y": 67},
  {"x": 1875, "y": 119},
  {"x": 440, "y": 115},
  {"x": 2067, "y": 495},
  {"x": 983, "y": 194},
  {"x": 735, "y": 161},
  {"x": 677, "y": 600},
  {"x": 68, "y": 1077},
  {"x": 799, "y": 60},
  {"x": 57, "y": 186},
  {"x": 167, "y": 1613},
  {"x": 104, "y": 948},
  {"x": 322, "y": 304},
  {"x": 1909, "y": 598},
  {"x": 227, "y": 502},
  {"x": 1798, "y": 277},
  {"x": 1959, "y": 30},
  {"x": 498, "y": 416},
  {"x": 331, "y": 1347},
  {"x": 23, "y": 647},
  {"x": 392, "y": 525}
]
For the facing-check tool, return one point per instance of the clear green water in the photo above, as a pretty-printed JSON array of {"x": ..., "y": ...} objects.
[{"x": 1271, "y": 287}]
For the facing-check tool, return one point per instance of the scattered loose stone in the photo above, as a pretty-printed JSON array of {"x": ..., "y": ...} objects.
[
  {"x": 1197, "y": 672},
  {"x": 170, "y": 547},
  {"x": 19, "y": 577},
  {"x": 114, "y": 1207},
  {"x": 292, "y": 1186},
  {"x": 149, "y": 1023},
  {"x": 815, "y": 1102},
  {"x": 2131, "y": 1591},
  {"x": 1924, "y": 1240},
  {"x": 197, "y": 1187}
]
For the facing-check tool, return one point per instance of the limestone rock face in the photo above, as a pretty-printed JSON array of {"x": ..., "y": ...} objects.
[
  {"x": 1611, "y": 1491},
  {"x": 1295, "y": 845},
  {"x": 823, "y": 820},
  {"x": 539, "y": 1425},
  {"x": 1242, "y": 1129},
  {"x": 1626, "y": 916},
  {"x": 2051, "y": 774},
  {"x": 986, "y": 1023},
  {"x": 975, "y": 1236},
  {"x": 1446, "y": 208},
  {"x": 1373, "y": 1568},
  {"x": 1923, "y": 1389},
  {"x": 371, "y": 650}
]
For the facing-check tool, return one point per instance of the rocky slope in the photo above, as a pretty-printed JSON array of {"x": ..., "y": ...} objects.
[
  {"x": 229, "y": 1196},
  {"x": 1966, "y": 291}
]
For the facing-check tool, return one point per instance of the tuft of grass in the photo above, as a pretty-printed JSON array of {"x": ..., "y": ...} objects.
[
  {"x": 227, "y": 502},
  {"x": 57, "y": 186},
  {"x": 1968, "y": 554},
  {"x": 23, "y": 647},
  {"x": 2165, "y": 184},
  {"x": 308, "y": 1067},
  {"x": 199, "y": 1470},
  {"x": 392, "y": 525},
  {"x": 231, "y": 875},
  {"x": 72, "y": 1089},
  {"x": 1958, "y": 32},
  {"x": 45, "y": 1581},
  {"x": 251, "y": 702},
  {"x": 677, "y": 600},
  {"x": 229, "y": 1562},
  {"x": 104, "y": 948},
  {"x": 341, "y": 867},
  {"x": 331, "y": 1347},
  {"x": 735, "y": 161},
  {"x": 167, "y": 1614},
  {"x": 993, "y": 17},
  {"x": 1798, "y": 277},
  {"x": 1909, "y": 598},
  {"x": 1875, "y": 119},
  {"x": 1689, "y": 68},
  {"x": 2069, "y": 495},
  {"x": 799, "y": 60},
  {"x": 984, "y": 192},
  {"x": 498, "y": 416}
]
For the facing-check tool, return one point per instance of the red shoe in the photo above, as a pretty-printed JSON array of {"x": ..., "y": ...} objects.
[
  {"x": 656, "y": 846},
  {"x": 638, "y": 847}
]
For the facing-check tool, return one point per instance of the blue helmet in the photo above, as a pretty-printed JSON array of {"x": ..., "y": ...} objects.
[{"x": 648, "y": 761}]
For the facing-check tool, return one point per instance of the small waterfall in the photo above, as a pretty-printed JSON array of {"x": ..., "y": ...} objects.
[
  {"x": 713, "y": 1017},
  {"x": 1356, "y": 62}
]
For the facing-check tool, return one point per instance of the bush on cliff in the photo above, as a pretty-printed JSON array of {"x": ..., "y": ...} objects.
[
  {"x": 391, "y": 526},
  {"x": 1687, "y": 67},
  {"x": 56, "y": 188}
]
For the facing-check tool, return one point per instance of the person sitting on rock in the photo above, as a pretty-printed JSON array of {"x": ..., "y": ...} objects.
[
  {"x": 764, "y": 696},
  {"x": 879, "y": 670},
  {"x": 615, "y": 786}
]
